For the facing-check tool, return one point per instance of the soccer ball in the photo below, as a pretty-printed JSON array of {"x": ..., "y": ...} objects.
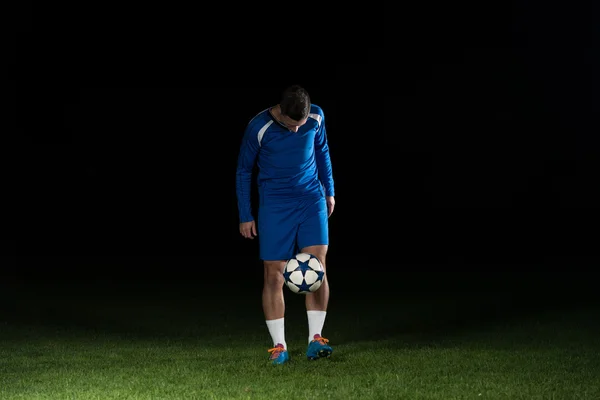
[{"x": 303, "y": 273}]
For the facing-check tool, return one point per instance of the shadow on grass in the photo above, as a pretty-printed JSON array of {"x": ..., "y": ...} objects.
[{"x": 181, "y": 310}]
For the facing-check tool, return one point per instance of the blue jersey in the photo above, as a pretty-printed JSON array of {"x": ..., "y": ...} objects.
[{"x": 291, "y": 165}]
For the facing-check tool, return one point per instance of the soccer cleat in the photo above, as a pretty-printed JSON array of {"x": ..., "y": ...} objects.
[
  {"x": 279, "y": 355},
  {"x": 318, "y": 348}
]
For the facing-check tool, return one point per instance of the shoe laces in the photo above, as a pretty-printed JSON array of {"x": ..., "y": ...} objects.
[
  {"x": 321, "y": 340},
  {"x": 276, "y": 351}
]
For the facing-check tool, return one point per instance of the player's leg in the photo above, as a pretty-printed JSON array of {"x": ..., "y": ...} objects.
[
  {"x": 272, "y": 294},
  {"x": 274, "y": 309},
  {"x": 313, "y": 238},
  {"x": 277, "y": 239},
  {"x": 273, "y": 302},
  {"x": 318, "y": 300},
  {"x": 316, "y": 310}
]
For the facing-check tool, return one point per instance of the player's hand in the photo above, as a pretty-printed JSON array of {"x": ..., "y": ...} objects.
[
  {"x": 330, "y": 205},
  {"x": 248, "y": 229}
]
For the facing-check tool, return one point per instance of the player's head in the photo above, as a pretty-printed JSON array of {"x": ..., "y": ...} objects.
[{"x": 295, "y": 103}]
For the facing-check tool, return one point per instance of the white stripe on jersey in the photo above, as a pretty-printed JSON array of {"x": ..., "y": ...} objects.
[
  {"x": 262, "y": 131},
  {"x": 317, "y": 117}
]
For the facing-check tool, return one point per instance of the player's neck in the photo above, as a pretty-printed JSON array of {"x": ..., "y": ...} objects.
[{"x": 275, "y": 112}]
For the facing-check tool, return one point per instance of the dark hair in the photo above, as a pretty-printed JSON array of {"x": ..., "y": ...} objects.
[{"x": 295, "y": 103}]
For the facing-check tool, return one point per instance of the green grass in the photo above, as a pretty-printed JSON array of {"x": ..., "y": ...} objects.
[{"x": 176, "y": 346}]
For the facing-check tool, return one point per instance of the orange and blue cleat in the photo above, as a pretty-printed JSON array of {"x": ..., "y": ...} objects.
[
  {"x": 318, "y": 348},
  {"x": 279, "y": 355}
]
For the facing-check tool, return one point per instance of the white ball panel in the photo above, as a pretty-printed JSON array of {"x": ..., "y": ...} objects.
[
  {"x": 296, "y": 277},
  {"x": 311, "y": 277},
  {"x": 292, "y": 287},
  {"x": 316, "y": 286},
  {"x": 291, "y": 265},
  {"x": 315, "y": 264},
  {"x": 302, "y": 257}
]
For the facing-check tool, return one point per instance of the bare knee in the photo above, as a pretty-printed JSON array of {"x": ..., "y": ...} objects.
[
  {"x": 273, "y": 276},
  {"x": 319, "y": 251}
]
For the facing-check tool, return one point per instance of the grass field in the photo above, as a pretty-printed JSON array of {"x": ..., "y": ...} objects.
[{"x": 169, "y": 342}]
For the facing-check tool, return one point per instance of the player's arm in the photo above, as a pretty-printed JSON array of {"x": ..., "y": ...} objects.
[
  {"x": 323, "y": 159},
  {"x": 245, "y": 164},
  {"x": 324, "y": 164}
]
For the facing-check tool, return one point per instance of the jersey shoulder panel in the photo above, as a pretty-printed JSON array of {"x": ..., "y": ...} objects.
[
  {"x": 259, "y": 119},
  {"x": 316, "y": 110},
  {"x": 259, "y": 124},
  {"x": 317, "y": 114}
]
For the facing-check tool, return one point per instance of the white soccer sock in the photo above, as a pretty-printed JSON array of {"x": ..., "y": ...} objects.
[
  {"x": 277, "y": 331},
  {"x": 316, "y": 320}
]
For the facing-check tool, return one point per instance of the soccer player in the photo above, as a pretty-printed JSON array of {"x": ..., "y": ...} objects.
[{"x": 288, "y": 143}]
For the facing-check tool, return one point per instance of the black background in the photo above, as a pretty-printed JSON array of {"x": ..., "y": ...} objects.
[{"x": 464, "y": 141}]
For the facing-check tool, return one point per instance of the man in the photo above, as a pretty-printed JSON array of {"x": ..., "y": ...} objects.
[{"x": 288, "y": 142}]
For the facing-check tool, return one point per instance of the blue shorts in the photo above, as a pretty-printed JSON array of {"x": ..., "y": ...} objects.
[{"x": 286, "y": 227}]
